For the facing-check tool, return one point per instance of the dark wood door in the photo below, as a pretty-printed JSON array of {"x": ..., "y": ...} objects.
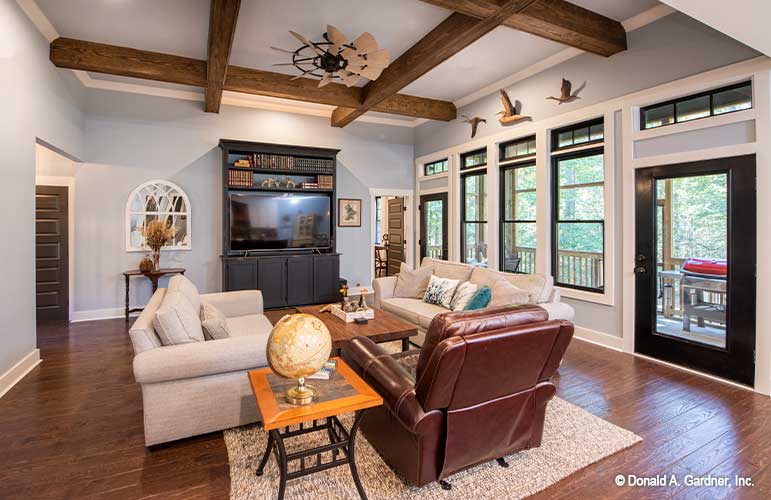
[
  {"x": 395, "y": 230},
  {"x": 695, "y": 265},
  {"x": 299, "y": 279},
  {"x": 51, "y": 253},
  {"x": 433, "y": 226}
]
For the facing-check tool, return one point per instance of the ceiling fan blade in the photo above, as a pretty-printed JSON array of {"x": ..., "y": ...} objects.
[
  {"x": 379, "y": 58},
  {"x": 367, "y": 72},
  {"x": 282, "y": 50},
  {"x": 307, "y": 42},
  {"x": 337, "y": 38},
  {"x": 327, "y": 78},
  {"x": 348, "y": 78},
  {"x": 365, "y": 43}
]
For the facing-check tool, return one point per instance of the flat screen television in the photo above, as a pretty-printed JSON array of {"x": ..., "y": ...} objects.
[{"x": 280, "y": 221}]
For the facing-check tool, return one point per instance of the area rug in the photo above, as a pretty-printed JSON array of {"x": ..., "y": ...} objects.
[{"x": 573, "y": 438}]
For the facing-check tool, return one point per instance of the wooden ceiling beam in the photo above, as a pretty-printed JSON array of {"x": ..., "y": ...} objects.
[
  {"x": 222, "y": 28},
  {"x": 451, "y": 36},
  {"x": 123, "y": 61},
  {"x": 556, "y": 20}
]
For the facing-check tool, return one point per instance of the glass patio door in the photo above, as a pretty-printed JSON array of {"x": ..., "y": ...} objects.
[
  {"x": 433, "y": 226},
  {"x": 695, "y": 265}
]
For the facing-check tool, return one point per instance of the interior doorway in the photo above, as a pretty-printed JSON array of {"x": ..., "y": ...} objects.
[
  {"x": 52, "y": 253},
  {"x": 695, "y": 265},
  {"x": 395, "y": 230},
  {"x": 433, "y": 226}
]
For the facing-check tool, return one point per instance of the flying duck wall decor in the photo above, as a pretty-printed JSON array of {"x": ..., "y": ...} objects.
[{"x": 509, "y": 115}]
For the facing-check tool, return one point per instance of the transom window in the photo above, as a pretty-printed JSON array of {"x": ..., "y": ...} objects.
[
  {"x": 473, "y": 159},
  {"x": 436, "y": 167},
  {"x": 711, "y": 103},
  {"x": 518, "y": 221},
  {"x": 473, "y": 230},
  {"x": 158, "y": 199},
  {"x": 581, "y": 134},
  {"x": 519, "y": 148}
]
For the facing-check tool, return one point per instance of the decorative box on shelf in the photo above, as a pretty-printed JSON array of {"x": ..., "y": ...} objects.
[{"x": 350, "y": 317}]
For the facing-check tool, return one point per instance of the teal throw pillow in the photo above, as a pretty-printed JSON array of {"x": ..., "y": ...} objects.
[{"x": 479, "y": 300}]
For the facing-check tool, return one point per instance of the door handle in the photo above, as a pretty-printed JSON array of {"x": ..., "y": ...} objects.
[{"x": 640, "y": 270}]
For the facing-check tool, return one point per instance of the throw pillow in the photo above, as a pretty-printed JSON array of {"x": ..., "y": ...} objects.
[
  {"x": 463, "y": 295},
  {"x": 214, "y": 323},
  {"x": 412, "y": 283},
  {"x": 440, "y": 291},
  {"x": 176, "y": 322},
  {"x": 187, "y": 288},
  {"x": 504, "y": 293},
  {"x": 480, "y": 299}
]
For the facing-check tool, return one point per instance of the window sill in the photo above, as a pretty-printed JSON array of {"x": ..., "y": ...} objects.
[{"x": 604, "y": 298}]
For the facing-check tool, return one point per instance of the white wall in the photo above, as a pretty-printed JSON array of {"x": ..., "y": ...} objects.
[
  {"x": 38, "y": 102},
  {"x": 131, "y": 139}
]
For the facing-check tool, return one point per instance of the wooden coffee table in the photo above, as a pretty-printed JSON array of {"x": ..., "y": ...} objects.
[
  {"x": 386, "y": 327},
  {"x": 344, "y": 392}
]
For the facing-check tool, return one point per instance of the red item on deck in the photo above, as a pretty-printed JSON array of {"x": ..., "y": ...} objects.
[{"x": 712, "y": 267}]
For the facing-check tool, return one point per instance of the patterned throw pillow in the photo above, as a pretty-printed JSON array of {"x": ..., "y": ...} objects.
[
  {"x": 463, "y": 294},
  {"x": 480, "y": 299},
  {"x": 440, "y": 291}
]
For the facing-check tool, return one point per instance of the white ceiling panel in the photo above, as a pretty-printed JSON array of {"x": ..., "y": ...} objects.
[{"x": 178, "y": 27}]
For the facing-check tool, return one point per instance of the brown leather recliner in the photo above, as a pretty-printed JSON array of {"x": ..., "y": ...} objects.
[{"x": 478, "y": 393}]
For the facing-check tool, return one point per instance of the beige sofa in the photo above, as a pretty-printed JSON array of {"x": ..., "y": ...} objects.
[
  {"x": 417, "y": 312},
  {"x": 200, "y": 387}
]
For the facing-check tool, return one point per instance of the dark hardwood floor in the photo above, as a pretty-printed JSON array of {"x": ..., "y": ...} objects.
[{"x": 73, "y": 427}]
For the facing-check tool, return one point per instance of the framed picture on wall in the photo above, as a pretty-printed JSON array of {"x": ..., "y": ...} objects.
[{"x": 348, "y": 213}]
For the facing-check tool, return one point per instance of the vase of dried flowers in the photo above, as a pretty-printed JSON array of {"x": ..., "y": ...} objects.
[{"x": 157, "y": 233}]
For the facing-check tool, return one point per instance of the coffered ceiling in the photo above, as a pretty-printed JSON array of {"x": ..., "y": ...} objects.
[{"x": 181, "y": 28}]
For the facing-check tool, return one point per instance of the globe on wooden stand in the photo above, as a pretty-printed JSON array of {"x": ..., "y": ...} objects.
[{"x": 298, "y": 346}]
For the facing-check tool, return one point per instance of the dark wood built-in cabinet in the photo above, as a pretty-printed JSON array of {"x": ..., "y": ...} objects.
[{"x": 288, "y": 277}]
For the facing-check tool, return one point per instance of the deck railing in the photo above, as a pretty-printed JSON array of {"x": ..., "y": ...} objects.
[
  {"x": 434, "y": 251},
  {"x": 584, "y": 269}
]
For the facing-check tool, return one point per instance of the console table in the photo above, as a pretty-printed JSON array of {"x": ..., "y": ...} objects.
[{"x": 153, "y": 276}]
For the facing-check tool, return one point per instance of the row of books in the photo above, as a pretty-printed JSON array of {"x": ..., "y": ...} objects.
[
  {"x": 239, "y": 178},
  {"x": 325, "y": 181},
  {"x": 281, "y": 162}
]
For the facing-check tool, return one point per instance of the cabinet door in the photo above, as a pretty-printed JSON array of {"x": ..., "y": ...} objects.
[
  {"x": 326, "y": 274},
  {"x": 240, "y": 275},
  {"x": 299, "y": 278},
  {"x": 271, "y": 278}
]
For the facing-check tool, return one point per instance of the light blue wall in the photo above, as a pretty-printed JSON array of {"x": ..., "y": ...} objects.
[
  {"x": 669, "y": 49},
  {"x": 131, "y": 139},
  {"x": 38, "y": 102}
]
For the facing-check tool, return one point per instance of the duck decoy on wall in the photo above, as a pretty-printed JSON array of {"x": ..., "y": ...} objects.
[
  {"x": 474, "y": 123},
  {"x": 565, "y": 92},
  {"x": 509, "y": 113}
]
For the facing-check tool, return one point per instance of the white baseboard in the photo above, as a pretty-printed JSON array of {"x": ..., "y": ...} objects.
[
  {"x": 96, "y": 314},
  {"x": 18, "y": 371},
  {"x": 598, "y": 338}
]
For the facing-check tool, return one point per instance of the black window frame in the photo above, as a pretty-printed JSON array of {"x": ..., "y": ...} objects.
[
  {"x": 502, "y": 148},
  {"x": 555, "y": 220},
  {"x": 502, "y": 210},
  {"x": 572, "y": 128},
  {"x": 445, "y": 161},
  {"x": 470, "y": 173},
  {"x": 710, "y": 93},
  {"x": 463, "y": 157}
]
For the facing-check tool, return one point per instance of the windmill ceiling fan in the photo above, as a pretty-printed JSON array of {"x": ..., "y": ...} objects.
[{"x": 335, "y": 58}]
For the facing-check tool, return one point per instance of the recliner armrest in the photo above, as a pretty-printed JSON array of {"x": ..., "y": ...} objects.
[{"x": 388, "y": 378}]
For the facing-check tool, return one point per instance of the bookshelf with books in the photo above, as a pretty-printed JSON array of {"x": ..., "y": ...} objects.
[{"x": 291, "y": 275}]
